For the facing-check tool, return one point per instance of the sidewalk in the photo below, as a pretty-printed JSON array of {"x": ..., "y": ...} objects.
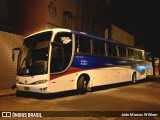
[
  {"x": 12, "y": 92},
  {"x": 7, "y": 92},
  {"x": 153, "y": 76}
]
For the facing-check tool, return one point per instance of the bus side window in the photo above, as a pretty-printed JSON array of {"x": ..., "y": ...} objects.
[
  {"x": 136, "y": 54},
  {"x": 106, "y": 50},
  {"x": 122, "y": 51},
  {"x": 140, "y": 54},
  {"x": 109, "y": 49},
  {"x": 143, "y": 54},
  {"x": 130, "y": 53},
  {"x": 112, "y": 51},
  {"x": 83, "y": 44},
  {"x": 96, "y": 46},
  {"x": 76, "y": 44},
  {"x": 88, "y": 45},
  {"x": 102, "y": 48}
]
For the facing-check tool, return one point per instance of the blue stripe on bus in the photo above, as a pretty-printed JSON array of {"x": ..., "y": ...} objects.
[{"x": 90, "y": 62}]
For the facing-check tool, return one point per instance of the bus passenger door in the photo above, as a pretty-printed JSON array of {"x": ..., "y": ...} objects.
[{"x": 57, "y": 59}]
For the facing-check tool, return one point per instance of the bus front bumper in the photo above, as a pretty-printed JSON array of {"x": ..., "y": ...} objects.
[{"x": 39, "y": 88}]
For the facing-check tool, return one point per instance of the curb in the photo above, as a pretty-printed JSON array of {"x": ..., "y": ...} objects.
[{"x": 7, "y": 92}]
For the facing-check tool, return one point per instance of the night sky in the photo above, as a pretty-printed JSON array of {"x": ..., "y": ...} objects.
[{"x": 141, "y": 18}]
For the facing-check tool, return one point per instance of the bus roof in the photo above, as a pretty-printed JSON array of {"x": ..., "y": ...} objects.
[
  {"x": 72, "y": 31},
  {"x": 90, "y": 36},
  {"x": 99, "y": 38},
  {"x": 81, "y": 33}
]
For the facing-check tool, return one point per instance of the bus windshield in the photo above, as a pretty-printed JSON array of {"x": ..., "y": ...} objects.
[{"x": 33, "y": 57}]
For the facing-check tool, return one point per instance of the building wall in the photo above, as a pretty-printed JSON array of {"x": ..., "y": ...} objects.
[
  {"x": 8, "y": 68},
  {"x": 4, "y": 11},
  {"x": 122, "y": 36},
  {"x": 61, "y": 13},
  {"x": 26, "y": 15},
  {"x": 82, "y": 15},
  {"x": 93, "y": 21},
  {"x": 79, "y": 15}
]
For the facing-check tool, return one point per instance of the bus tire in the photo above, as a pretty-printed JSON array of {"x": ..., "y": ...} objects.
[
  {"x": 134, "y": 78},
  {"x": 82, "y": 85}
]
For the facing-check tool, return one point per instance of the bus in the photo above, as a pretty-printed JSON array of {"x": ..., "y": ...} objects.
[{"x": 57, "y": 60}]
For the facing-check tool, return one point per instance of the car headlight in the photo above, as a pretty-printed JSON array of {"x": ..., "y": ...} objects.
[{"x": 41, "y": 81}]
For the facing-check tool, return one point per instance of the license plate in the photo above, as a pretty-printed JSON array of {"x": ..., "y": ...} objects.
[{"x": 26, "y": 88}]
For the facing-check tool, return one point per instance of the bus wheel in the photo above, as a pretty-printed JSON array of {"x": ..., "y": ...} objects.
[
  {"x": 82, "y": 85},
  {"x": 134, "y": 78}
]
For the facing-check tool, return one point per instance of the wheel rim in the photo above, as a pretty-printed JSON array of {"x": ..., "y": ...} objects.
[
  {"x": 134, "y": 78},
  {"x": 85, "y": 85}
]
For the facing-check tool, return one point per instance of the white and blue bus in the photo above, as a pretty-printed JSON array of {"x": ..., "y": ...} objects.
[{"x": 57, "y": 60}]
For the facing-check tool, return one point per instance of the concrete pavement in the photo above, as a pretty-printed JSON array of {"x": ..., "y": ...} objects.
[{"x": 7, "y": 92}]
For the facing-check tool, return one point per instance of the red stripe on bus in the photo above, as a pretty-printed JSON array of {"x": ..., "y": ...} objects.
[{"x": 70, "y": 71}]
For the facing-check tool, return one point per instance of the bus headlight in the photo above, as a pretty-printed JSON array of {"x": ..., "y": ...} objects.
[{"x": 41, "y": 81}]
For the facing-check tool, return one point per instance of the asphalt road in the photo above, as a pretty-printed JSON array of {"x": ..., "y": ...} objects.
[{"x": 107, "y": 102}]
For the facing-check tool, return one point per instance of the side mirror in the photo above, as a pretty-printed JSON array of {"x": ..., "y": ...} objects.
[{"x": 13, "y": 54}]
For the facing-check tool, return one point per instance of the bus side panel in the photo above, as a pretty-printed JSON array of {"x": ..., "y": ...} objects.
[
  {"x": 93, "y": 75},
  {"x": 69, "y": 81},
  {"x": 63, "y": 83},
  {"x": 141, "y": 76},
  {"x": 117, "y": 75},
  {"x": 109, "y": 75}
]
